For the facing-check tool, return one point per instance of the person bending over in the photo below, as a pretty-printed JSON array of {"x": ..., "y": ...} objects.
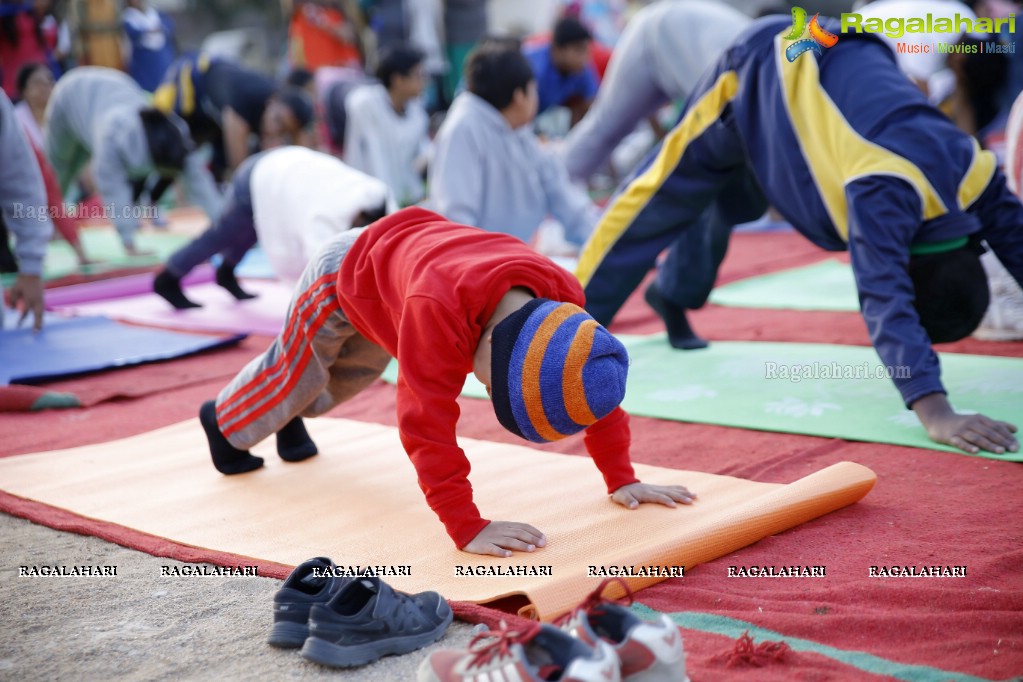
[
  {"x": 445, "y": 300},
  {"x": 237, "y": 111},
  {"x": 291, "y": 200},
  {"x": 855, "y": 158},
  {"x": 101, "y": 115}
]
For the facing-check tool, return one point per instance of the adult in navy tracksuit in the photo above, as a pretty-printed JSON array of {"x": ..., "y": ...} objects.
[{"x": 851, "y": 153}]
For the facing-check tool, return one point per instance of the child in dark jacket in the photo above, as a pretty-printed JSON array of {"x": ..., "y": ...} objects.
[{"x": 851, "y": 153}]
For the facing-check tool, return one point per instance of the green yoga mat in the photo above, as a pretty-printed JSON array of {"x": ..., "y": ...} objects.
[
  {"x": 104, "y": 245},
  {"x": 827, "y": 285},
  {"x": 762, "y": 386}
]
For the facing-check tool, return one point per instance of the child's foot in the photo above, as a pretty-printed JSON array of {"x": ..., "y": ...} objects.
[
  {"x": 680, "y": 334},
  {"x": 226, "y": 279},
  {"x": 294, "y": 443},
  {"x": 169, "y": 287},
  {"x": 226, "y": 458}
]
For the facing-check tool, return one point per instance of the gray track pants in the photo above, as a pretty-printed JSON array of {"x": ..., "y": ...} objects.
[{"x": 317, "y": 362}]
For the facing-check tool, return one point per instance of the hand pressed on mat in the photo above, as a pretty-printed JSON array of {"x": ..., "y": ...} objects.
[
  {"x": 498, "y": 538},
  {"x": 26, "y": 296},
  {"x": 635, "y": 494},
  {"x": 968, "y": 432}
]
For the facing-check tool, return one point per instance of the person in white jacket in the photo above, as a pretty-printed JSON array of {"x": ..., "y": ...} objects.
[
  {"x": 291, "y": 200},
  {"x": 387, "y": 129}
]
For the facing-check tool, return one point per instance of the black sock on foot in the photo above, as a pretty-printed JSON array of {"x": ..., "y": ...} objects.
[
  {"x": 169, "y": 287},
  {"x": 680, "y": 334},
  {"x": 226, "y": 279},
  {"x": 294, "y": 443},
  {"x": 226, "y": 458}
]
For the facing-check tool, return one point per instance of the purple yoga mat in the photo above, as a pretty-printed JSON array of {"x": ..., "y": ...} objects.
[
  {"x": 115, "y": 287},
  {"x": 220, "y": 312}
]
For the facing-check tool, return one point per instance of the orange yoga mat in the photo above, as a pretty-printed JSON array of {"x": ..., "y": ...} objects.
[{"x": 358, "y": 502}]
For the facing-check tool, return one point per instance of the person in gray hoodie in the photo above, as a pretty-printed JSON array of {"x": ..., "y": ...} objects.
[
  {"x": 488, "y": 169},
  {"x": 24, "y": 211},
  {"x": 102, "y": 115}
]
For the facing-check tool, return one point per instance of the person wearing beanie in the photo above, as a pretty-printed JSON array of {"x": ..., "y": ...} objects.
[
  {"x": 229, "y": 107},
  {"x": 445, "y": 300},
  {"x": 831, "y": 133},
  {"x": 292, "y": 200},
  {"x": 101, "y": 115}
]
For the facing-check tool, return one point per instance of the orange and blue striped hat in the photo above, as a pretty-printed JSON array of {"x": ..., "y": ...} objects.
[{"x": 554, "y": 371}]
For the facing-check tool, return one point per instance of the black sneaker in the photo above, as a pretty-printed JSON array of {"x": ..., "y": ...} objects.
[
  {"x": 312, "y": 582},
  {"x": 368, "y": 620}
]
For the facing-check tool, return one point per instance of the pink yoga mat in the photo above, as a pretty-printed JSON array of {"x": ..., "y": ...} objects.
[
  {"x": 220, "y": 312},
  {"x": 115, "y": 287}
]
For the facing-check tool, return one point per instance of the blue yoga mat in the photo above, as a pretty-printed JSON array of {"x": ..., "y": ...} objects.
[{"x": 68, "y": 347}]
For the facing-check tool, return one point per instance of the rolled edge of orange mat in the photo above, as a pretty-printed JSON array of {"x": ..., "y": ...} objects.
[{"x": 777, "y": 510}]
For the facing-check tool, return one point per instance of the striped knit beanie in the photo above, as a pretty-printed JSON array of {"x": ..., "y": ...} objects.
[{"x": 554, "y": 371}]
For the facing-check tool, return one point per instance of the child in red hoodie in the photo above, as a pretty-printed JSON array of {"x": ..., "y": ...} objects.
[{"x": 445, "y": 300}]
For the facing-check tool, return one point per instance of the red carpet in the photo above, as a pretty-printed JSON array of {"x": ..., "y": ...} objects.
[{"x": 928, "y": 508}]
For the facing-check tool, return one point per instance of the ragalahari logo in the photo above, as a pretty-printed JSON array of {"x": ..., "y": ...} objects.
[{"x": 808, "y": 36}]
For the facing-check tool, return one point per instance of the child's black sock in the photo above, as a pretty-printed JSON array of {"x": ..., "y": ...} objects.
[
  {"x": 294, "y": 443},
  {"x": 226, "y": 279},
  {"x": 680, "y": 334},
  {"x": 169, "y": 287},
  {"x": 226, "y": 458}
]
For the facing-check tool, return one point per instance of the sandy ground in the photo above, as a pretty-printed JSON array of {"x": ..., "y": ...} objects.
[{"x": 141, "y": 626}]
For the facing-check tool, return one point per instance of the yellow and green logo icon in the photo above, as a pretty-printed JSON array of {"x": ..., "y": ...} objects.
[{"x": 809, "y": 36}]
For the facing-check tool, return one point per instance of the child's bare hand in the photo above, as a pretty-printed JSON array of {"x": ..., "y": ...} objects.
[
  {"x": 974, "y": 432},
  {"x": 499, "y": 538},
  {"x": 635, "y": 494},
  {"x": 968, "y": 432}
]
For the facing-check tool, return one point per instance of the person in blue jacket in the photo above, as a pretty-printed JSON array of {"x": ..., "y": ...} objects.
[
  {"x": 150, "y": 40},
  {"x": 833, "y": 135}
]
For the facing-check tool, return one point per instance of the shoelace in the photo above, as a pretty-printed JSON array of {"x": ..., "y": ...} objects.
[
  {"x": 491, "y": 644},
  {"x": 595, "y": 601},
  {"x": 406, "y": 613}
]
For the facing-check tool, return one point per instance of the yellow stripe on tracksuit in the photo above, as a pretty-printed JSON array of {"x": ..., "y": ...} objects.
[
  {"x": 628, "y": 204},
  {"x": 836, "y": 154},
  {"x": 833, "y": 151},
  {"x": 180, "y": 98},
  {"x": 977, "y": 177}
]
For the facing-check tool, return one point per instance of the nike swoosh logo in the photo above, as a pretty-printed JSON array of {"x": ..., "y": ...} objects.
[{"x": 669, "y": 638}]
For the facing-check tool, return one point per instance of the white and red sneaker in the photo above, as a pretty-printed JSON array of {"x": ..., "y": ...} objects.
[
  {"x": 536, "y": 653},
  {"x": 649, "y": 652}
]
